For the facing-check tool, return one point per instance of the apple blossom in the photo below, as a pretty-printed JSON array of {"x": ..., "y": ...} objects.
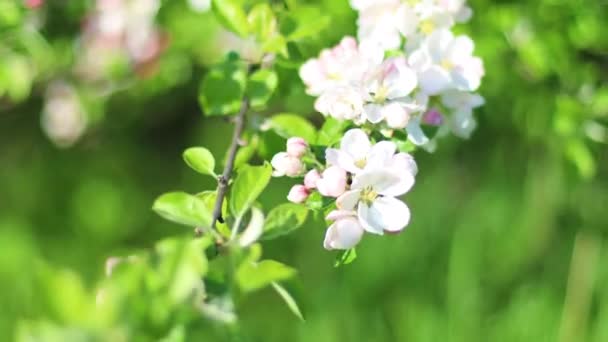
[
  {"x": 298, "y": 194},
  {"x": 373, "y": 196},
  {"x": 446, "y": 62},
  {"x": 342, "y": 103},
  {"x": 332, "y": 182},
  {"x": 286, "y": 165},
  {"x": 357, "y": 154},
  {"x": 345, "y": 232},
  {"x": 311, "y": 178},
  {"x": 296, "y": 147}
]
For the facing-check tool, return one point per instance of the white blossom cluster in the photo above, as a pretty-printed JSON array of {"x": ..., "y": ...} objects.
[{"x": 406, "y": 70}]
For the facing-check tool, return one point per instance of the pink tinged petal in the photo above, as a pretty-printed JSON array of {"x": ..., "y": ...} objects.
[
  {"x": 298, "y": 194},
  {"x": 279, "y": 163},
  {"x": 332, "y": 182},
  {"x": 342, "y": 159},
  {"x": 348, "y": 201},
  {"x": 433, "y": 117},
  {"x": 434, "y": 80},
  {"x": 356, "y": 143},
  {"x": 373, "y": 112},
  {"x": 396, "y": 115},
  {"x": 335, "y": 215},
  {"x": 296, "y": 147},
  {"x": 312, "y": 75},
  {"x": 311, "y": 178},
  {"x": 405, "y": 162},
  {"x": 343, "y": 234}
]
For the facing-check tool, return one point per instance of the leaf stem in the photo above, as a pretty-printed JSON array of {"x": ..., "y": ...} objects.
[{"x": 224, "y": 179}]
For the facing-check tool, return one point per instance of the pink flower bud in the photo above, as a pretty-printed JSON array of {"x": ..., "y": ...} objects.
[
  {"x": 32, "y": 4},
  {"x": 311, "y": 179},
  {"x": 296, "y": 147},
  {"x": 433, "y": 117},
  {"x": 298, "y": 194},
  {"x": 333, "y": 182},
  {"x": 286, "y": 165}
]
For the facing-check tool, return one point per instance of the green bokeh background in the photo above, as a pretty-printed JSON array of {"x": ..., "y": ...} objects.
[{"x": 508, "y": 240}]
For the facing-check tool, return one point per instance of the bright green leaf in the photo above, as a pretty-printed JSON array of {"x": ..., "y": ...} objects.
[
  {"x": 209, "y": 198},
  {"x": 345, "y": 257},
  {"x": 261, "y": 86},
  {"x": 292, "y": 125},
  {"x": 331, "y": 131},
  {"x": 284, "y": 219},
  {"x": 231, "y": 15},
  {"x": 253, "y": 276},
  {"x": 289, "y": 300},
  {"x": 223, "y": 88},
  {"x": 303, "y": 22},
  {"x": 248, "y": 185},
  {"x": 200, "y": 160},
  {"x": 183, "y": 208},
  {"x": 262, "y": 21}
]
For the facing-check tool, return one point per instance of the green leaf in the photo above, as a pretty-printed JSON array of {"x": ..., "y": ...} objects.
[
  {"x": 261, "y": 86},
  {"x": 231, "y": 15},
  {"x": 331, "y": 131},
  {"x": 290, "y": 125},
  {"x": 200, "y": 160},
  {"x": 262, "y": 21},
  {"x": 183, "y": 208},
  {"x": 254, "y": 229},
  {"x": 345, "y": 257},
  {"x": 289, "y": 300},
  {"x": 248, "y": 185},
  {"x": 284, "y": 219},
  {"x": 303, "y": 22},
  {"x": 209, "y": 197},
  {"x": 223, "y": 88},
  {"x": 252, "y": 276},
  {"x": 314, "y": 201},
  {"x": 276, "y": 44}
]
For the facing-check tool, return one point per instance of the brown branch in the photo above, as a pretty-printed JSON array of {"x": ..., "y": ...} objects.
[{"x": 224, "y": 178}]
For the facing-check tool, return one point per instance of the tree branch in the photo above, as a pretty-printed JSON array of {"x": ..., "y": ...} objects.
[{"x": 224, "y": 178}]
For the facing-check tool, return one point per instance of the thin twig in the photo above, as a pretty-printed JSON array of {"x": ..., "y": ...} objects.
[{"x": 224, "y": 178}]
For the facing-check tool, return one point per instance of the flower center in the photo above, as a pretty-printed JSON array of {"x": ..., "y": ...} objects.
[
  {"x": 361, "y": 163},
  {"x": 447, "y": 64},
  {"x": 381, "y": 94},
  {"x": 427, "y": 26},
  {"x": 368, "y": 195}
]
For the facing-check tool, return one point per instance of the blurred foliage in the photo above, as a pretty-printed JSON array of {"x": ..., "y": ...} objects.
[{"x": 508, "y": 227}]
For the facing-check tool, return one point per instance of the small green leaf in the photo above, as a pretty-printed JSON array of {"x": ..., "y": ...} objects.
[
  {"x": 248, "y": 185},
  {"x": 200, "y": 160},
  {"x": 209, "y": 197},
  {"x": 331, "y": 131},
  {"x": 262, "y": 22},
  {"x": 345, "y": 257},
  {"x": 223, "y": 88},
  {"x": 290, "y": 125},
  {"x": 303, "y": 22},
  {"x": 252, "y": 276},
  {"x": 231, "y": 15},
  {"x": 289, "y": 300},
  {"x": 182, "y": 208},
  {"x": 314, "y": 201},
  {"x": 276, "y": 44},
  {"x": 261, "y": 86},
  {"x": 284, "y": 219}
]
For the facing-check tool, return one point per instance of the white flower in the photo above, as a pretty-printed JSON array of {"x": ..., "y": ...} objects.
[
  {"x": 372, "y": 195},
  {"x": 332, "y": 182},
  {"x": 345, "y": 232},
  {"x": 345, "y": 63},
  {"x": 342, "y": 103},
  {"x": 388, "y": 93},
  {"x": 446, "y": 62},
  {"x": 462, "y": 122},
  {"x": 378, "y": 23},
  {"x": 421, "y": 19},
  {"x": 356, "y": 152},
  {"x": 296, "y": 147},
  {"x": 298, "y": 194},
  {"x": 286, "y": 165}
]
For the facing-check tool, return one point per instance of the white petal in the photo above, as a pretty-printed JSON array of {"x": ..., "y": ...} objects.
[
  {"x": 381, "y": 154},
  {"x": 460, "y": 49},
  {"x": 390, "y": 213},
  {"x": 348, "y": 200},
  {"x": 379, "y": 180},
  {"x": 415, "y": 133},
  {"x": 343, "y": 234},
  {"x": 403, "y": 83},
  {"x": 408, "y": 20},
  {"x": 420, "y": 60},
  {"x": 434, "y": 80},
  {"x": 373, "y": 112},
  {"x": 335, "y": 215},
  {"x": 405, "y": 162},
  {"x": 438, "y": 43},
  {"x": 341, "y": 159},
  {"x": 356, "y": 143},
  {"x": 370, "y": 219}
]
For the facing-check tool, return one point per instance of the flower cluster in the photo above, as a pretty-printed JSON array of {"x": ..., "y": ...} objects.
[
  {"x": 428, "y": 77},
  {"x": 406, "y": 72}
]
